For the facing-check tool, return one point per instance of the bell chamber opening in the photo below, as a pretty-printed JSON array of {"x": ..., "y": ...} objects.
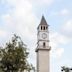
[{"x": 44, "y": 44}]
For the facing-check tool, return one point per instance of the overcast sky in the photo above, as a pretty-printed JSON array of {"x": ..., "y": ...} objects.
[{"x": 23, "y": 16}]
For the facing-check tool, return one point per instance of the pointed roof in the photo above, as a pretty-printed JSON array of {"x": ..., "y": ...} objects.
[{"x": 43, "y": 21}]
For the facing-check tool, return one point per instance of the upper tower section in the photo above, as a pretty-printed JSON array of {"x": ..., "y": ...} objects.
[
  {"x": 43, "y": 35},
  {"x": 43, "y": 26}
]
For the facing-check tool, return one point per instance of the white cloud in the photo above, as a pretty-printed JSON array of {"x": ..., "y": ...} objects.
[
  {"x": 57, "y": 39},
  {"x": 42, "y": 2},
  {"x": 62, "y": 12},
  {"x": 8, "y": 19},
  {"x": 22, "y": 18},
  {"x": 59, "y": 52},
  {"x": 3, "y": 37},
  {"x": 11, "y": 2},
  {"x": 3, "y": 33},
  {"x": 67, "y": 28}
]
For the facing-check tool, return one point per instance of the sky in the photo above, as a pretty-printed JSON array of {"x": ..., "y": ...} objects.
[{"x": 22, "y": 17}]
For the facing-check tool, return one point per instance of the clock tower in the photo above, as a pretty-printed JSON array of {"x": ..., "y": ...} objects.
[{"x": 43, "y": 48}]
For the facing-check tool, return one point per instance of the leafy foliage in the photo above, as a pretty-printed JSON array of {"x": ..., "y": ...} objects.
[
  {"x": 66, "y": 69},
  {"x": 13, "y": 58}
]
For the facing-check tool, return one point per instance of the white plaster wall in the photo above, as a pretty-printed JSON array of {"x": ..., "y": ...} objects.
[{"x": 43, "y": 61}]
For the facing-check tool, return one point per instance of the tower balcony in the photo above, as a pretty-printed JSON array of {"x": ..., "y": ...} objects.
[{"x": 47, "y": 48}]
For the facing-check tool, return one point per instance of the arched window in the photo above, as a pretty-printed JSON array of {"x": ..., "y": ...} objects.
[
  {"x": 44, "y": 28},
  {"x": 44, "y": 44},
  {"x": 41, "y": 27}
]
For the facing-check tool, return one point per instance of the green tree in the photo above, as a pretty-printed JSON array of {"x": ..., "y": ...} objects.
[
  {"x": 65, "y": 69},
  {"x": 13, "y": 57}
]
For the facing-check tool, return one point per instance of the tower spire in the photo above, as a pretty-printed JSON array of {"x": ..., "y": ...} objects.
[{"x": 43, "y": 21}]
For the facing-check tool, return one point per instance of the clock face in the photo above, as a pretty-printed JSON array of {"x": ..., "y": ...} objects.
[{"x": 44, "y": 35}]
